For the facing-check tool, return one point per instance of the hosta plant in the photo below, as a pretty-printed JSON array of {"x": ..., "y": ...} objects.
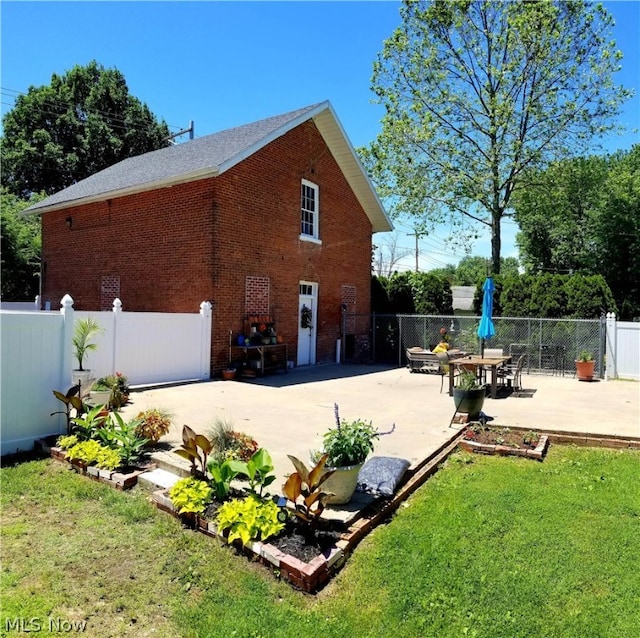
[
  {"x": 191, "y": 495},
  {"x": 249, "y": 519}
]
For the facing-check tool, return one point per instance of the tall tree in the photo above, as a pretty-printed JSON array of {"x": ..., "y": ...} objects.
[
  {"x": 20, "y": 249},
  {"x": 583, "y": 216},
  {"x": 473, "y": 270},
  {"x": 476, "y": 92},
  {"x": 82, "y": 122}
]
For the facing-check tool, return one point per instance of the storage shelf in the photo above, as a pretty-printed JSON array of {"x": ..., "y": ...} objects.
[{"x": 263, "y": 358}]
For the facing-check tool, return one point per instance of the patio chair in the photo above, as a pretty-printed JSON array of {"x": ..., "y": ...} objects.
[
  {"x": 420, "y": 360},
  {"x": 512, "y": 375},
  {"x": 443, "y": 371},
  {"x": 490, "y": 353}
]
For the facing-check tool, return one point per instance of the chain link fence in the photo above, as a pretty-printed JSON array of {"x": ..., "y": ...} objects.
[{"x": 550, "y": 345}]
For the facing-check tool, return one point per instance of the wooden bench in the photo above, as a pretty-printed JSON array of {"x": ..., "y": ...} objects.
[{"x": 420, "y": 360}]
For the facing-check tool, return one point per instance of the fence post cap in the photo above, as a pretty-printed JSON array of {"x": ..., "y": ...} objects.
[
  {"x": 117, "y": 303},
  {"x": 66, "y": 301}
]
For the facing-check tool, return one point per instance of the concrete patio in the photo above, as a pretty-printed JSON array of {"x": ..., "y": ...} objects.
[{"x": 288, "y": 413}]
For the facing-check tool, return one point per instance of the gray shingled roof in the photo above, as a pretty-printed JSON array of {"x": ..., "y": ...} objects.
[{"x": 211, "y": 155}]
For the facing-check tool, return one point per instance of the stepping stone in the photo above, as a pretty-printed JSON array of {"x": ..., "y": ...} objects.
[{"x": 158, "y": 479}]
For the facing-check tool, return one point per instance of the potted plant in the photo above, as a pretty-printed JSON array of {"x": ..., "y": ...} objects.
[
  {"x": 84, "y": 331},
  {"x": 229, "y": 373},
  {"x": 119, "y": 390},
  {"x": 347, "y": 447},
  {"x": 585, "y": 366},
  {"x": 112, "y": 390},
  {"x": 101, "y": 392},
  {"x": 468, "y": 394}
]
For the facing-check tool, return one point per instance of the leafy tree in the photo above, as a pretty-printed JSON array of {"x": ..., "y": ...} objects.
[
  {"x": 548, "y": 296},
  {"x": 588, "y": 297},
  {"x": 556, "y": 211},
  {"x": 431, "y": 294},
  {"x": 401, "y": 293},
  {"x": 478, "y": 91},
  {"x": 583, "y": 216},
  {"x": 618, "y": 231},
  {"x": 20, "y": 249},
  {"x": 472, "y": 270},
  {"x": 448, "y": 273},
  {"x": 79, "y": 124},
  {"x": 379, "y": 296},
  {"x": 551, "y": 296},
  {"x": 418, "y": 292},
  {"x": 512, "y": 297}
]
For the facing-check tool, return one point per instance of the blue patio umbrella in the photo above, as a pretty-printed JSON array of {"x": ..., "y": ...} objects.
[{"x": 486, "y": 329}]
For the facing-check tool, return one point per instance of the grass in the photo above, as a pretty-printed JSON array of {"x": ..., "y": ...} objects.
[{"x": 488, "y": 547}]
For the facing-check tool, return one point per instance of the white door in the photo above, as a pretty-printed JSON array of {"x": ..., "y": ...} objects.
[{"x": 307, "y": 320}]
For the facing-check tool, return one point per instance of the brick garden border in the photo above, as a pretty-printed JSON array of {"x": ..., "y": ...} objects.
[
  {"x": 115, "y": 479},
  {"x": 311, "y": 576},
  {"x": 505, "y": 450}
]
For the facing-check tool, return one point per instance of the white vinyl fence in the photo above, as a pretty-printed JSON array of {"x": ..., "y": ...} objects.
[
  {"x": 623, "y": 349},
  {"x": 26, "y": 306},
  {"x": 151, "y": 347},
  {"x": 37, "y": 358}
]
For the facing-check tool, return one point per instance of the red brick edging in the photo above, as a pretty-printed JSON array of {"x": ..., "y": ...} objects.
[
  {"x": 505, "y": 450},
  {"x": 117, "y": 480}
]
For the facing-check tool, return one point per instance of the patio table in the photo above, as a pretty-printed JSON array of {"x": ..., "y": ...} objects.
[{"x": 492, "y": 363}]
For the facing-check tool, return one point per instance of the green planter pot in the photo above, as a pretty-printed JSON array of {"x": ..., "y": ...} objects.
[{"x": 470, "y": 401}]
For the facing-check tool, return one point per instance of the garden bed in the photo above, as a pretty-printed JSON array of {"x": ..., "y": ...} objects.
[
  {"x": 308, "y": 574},
  {"x": 311, "y": 574},
  {"x": 504, "y": 441},
  {"x": 121, "y": 479}
]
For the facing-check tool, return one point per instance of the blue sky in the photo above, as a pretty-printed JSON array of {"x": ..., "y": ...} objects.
[{"x": 222, "y": 64}]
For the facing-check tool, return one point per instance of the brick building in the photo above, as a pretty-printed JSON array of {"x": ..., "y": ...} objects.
[{"x": 261, "y": 220}]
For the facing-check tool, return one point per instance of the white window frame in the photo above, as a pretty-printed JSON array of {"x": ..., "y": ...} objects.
[{"x": 315, "y": 235}]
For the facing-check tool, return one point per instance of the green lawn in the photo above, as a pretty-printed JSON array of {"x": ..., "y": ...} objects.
[{"x": 488, "y": 547}]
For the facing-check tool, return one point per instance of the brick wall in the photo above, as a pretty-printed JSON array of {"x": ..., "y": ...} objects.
[{"x": 172, "y": 248}]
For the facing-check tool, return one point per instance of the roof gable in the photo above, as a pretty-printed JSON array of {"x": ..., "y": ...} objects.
[{"x": 214, "y": 154}]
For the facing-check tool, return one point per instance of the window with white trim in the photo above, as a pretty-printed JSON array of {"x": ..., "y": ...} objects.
[{"x": 309, "y": 210}]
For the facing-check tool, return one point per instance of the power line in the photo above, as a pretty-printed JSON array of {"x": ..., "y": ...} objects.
[{"x": 117, "y": 122}]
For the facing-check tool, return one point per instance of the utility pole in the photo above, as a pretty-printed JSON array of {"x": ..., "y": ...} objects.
[
  {"x": 189, "y": 130},
  {"x": 417, "y": 235}
]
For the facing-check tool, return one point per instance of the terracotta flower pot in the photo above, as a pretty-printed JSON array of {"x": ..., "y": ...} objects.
[{"x": 585, "y": 370}]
